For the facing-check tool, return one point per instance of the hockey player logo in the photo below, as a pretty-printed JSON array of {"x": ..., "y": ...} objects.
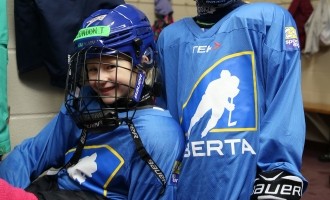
[
  {"x": 85, "y": 167},
  {"x": 218, "y": 97}
]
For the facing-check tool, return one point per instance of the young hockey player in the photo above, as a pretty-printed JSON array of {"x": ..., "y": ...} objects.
[{"x": 109, "y": 140}]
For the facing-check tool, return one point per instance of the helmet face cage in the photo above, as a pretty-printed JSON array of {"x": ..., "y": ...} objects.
[
  {"x": 84, "y": 101},
  {"x": 107, "y": 58}
]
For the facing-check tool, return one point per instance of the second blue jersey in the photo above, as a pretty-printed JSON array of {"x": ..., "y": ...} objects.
[{"x": 235, "y": 89}]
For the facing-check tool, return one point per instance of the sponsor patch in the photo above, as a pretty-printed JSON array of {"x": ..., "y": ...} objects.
[
  {"x": 175, "y": 173},
  {"x": 291, "y": 38}
]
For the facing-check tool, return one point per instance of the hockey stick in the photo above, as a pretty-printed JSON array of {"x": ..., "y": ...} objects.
[{"x": 230, "y": 123}]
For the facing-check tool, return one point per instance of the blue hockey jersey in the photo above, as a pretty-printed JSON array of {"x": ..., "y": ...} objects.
[
  {"x": 109, "y": 164},
  {"x": 236, "y": 90}
]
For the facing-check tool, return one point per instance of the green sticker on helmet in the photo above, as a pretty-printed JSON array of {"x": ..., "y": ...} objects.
[{"x": 93, "y": 32}]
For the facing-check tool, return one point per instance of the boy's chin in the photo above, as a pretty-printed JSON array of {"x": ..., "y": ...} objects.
[{"x": 108, "y": 100}]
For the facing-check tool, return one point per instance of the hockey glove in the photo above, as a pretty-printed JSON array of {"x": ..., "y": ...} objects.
[{"x": 277, "y": 184}]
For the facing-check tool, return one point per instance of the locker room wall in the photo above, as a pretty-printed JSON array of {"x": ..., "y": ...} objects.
[{"x": 33, "y": 101}]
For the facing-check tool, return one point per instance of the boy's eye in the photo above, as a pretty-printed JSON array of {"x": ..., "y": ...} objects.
[
  {"x": 91, "y": 68},
  {"x": 110, "y": 66}
]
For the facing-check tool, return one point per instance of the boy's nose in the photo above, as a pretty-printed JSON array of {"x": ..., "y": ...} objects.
[{"x": 103, "y": 75}]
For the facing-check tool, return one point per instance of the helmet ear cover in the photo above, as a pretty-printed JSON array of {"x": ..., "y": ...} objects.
[{"x": 137, "y": 43}]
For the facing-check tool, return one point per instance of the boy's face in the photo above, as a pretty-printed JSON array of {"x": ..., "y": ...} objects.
[{"x": 111, "y": 78}]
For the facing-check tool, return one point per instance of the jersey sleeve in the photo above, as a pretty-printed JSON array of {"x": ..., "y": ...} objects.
[
  {"x": 164, "y": 141},
  {"x": 282, "y": 134},
  {"x": 35, "y": 155}
]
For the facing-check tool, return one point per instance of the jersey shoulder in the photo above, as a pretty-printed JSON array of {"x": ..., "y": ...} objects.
[
  {"x": 174, "y": 32},
  {"x": 159, "y": 128},
  {"x": 264, "y": 11}
]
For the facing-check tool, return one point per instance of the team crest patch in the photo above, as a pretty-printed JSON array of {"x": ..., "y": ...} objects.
[
  {"x": 222, "y": 97},
  {"x": 291, "y": 38},
  {"x": 91, "y": 168}
]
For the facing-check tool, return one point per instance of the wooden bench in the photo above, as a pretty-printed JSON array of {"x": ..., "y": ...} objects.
[
  {"x": 317, "y": 108},
  {"x": 312, "y": 112}
]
